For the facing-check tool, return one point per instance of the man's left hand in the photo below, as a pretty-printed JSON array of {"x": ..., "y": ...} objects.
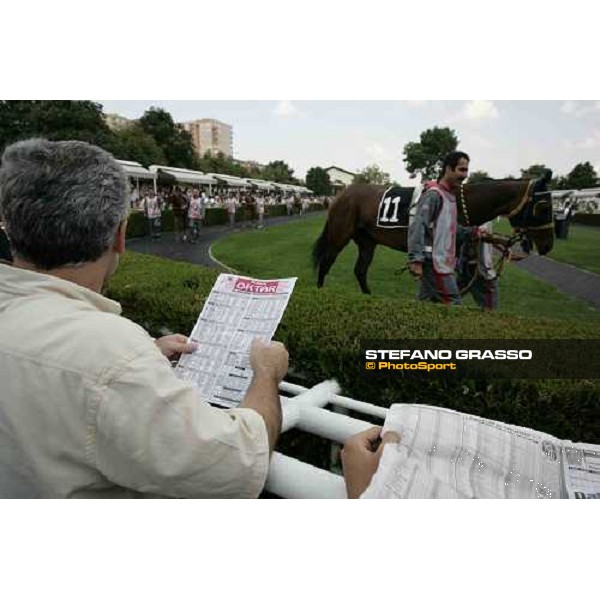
[
  {"x": 497, "y": 239},
  {"x": 172, "y": 346},
  {"x": 360, "y": 458}
]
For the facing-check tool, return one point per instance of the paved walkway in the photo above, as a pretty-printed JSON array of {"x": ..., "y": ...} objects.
[
  {"x": 566, "y": 278},
  {"x": 199, "y": 253}
]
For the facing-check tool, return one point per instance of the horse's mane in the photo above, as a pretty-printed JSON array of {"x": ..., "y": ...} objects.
[{"x": 505, "y": 180}]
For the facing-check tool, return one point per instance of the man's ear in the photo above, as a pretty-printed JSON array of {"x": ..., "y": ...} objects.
[{"x": 119, "y": 241}]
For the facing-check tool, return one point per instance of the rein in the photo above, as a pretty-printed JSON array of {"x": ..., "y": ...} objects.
[
  {"x": 500, "y": 263},
  {"x": 515, "y": 211},
  {"x": 504, "y": 249},
  {"x": 522, "y": 203}
]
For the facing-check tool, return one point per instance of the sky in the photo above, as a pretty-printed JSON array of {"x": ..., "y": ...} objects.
[{"x": 501, "y": 137}]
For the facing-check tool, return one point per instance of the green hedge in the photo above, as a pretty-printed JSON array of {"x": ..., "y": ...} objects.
[
  {"x": 587, "y": 219},
  {"x": 137, "y": 225},
  {"x": 322, "y": 330}
]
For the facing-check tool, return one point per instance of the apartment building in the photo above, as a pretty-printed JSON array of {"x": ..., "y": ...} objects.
[{"x": 210, "y": 135}]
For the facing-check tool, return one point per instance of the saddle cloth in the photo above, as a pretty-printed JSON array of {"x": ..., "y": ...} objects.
[{"x": 394, "y": 207}]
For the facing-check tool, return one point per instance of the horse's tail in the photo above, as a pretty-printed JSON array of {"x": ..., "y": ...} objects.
[{"x": 320, "y": 247}]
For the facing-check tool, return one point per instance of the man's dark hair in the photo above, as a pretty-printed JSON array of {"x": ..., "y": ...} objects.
[{"x": 452, "y": 159}]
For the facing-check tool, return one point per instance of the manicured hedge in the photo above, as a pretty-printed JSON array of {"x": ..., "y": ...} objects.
[
  {"x": 322, "y": 330},
  {"x": 137, "y": 225},
  {"x": 587, "y": 219}
]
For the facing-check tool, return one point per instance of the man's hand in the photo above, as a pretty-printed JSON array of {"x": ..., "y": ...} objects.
[
  {"x": 360, "y": 458},
  {"x": 172, "y": 346},
  {"x": 416, "y": 269},
  {"x": 270, "y": 364},
  {"x": 494, "y": 238},
  {"x": 269, "y": 359}
]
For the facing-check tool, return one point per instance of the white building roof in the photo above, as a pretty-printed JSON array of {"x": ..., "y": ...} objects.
[
  {"x": 587, "y": 193},
  {"x": 184, "y": 175},
  {"x": 135, "y": 170},
  {"x": 261, "y": 184},
  {"x": 230, "y": 180}
]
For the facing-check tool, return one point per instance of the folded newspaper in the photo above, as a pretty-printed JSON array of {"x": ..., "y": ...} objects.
[
  {"x": 237, "y": 310},
  {"x": 447, "y": 454}
]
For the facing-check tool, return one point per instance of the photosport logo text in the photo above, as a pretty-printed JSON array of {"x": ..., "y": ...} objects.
[{"x": 491, "y": 358}]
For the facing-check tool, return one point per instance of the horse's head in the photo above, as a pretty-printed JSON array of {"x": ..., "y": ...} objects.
[{"x": 534, "y": 219}]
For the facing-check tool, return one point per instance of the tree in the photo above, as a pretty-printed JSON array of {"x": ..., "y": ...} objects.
[
  {"x": 534, "y": 172},
  {"x": 582, "y": 176},
  {"x": 318, "y": 180},
  {"x": 173, "y": 140},
  {"x": 477, "y": 176},
  {"x": 279, "y": 171},
  {"x": 426, "y": 156},
  {"x": 133, "y": 143},
  {"x": 559, "y": 183},
  {"x": 220, "y": 163},
  {"x": 54, "y": 120},
  {"x": 372, "y": 174}
]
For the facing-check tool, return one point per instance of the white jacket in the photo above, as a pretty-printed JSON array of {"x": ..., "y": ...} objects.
[{"x": 91, "y": 408}]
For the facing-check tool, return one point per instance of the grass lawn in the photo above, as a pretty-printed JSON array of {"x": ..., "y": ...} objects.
[
  {"x": 285, "y": 251},
  {"x": 581, "y": 249}
]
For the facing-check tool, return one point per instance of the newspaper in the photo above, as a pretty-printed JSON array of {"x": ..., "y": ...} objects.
[
  {"x": 238, "y": 310},
  {"x": 447, "y": 454}
]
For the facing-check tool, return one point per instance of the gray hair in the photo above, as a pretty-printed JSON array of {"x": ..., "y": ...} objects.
[{"x": 62, "y": 202}]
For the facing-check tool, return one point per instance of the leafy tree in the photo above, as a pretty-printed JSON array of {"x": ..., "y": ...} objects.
[
  {"x": 582, "y": 176},
  {"x": 173, "y": 140},
  {"x": 426, "y": 156},
  {"x": 534, "y": 172},
  {"x": 220, "y": 163},
  {"x": 133, "y": 143},
  {"x": 181, "y": 152},
  {"x": 477, "y": 176},
  {"x": 372, "y": 174},
  {"x": 254, "y": 172},
  {"x": 318, "y": 180},
  {"x": 280, "y": 172},
  {"x": 559, "y": 183},
  {"x": 54, "y": 120}
]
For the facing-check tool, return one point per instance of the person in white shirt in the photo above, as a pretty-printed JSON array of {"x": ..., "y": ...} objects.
[
  {"x": 153, "y": 211},
  {"x": 231, "y": 204},
  {"x": 134, "y": 197},
  {"x": 195, "y": 216},
  {"x": 304, "y": 205},
  {"x": 260, "y": 210},
  {"x": 90, "y": 406}
]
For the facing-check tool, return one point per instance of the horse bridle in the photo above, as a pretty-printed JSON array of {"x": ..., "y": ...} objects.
[
  {"x": 527, "y": 196},
  {"x": 519, "y": 235}
]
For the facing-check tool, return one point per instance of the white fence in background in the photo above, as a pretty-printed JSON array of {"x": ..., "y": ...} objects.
[{"x": 308, "y": 410}]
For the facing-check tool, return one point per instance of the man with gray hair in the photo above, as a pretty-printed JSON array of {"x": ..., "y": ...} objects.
[{"x": 90, "y": 406}]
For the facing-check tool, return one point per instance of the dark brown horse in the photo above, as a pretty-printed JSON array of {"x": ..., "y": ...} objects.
[{"x": 354, "y": 216}]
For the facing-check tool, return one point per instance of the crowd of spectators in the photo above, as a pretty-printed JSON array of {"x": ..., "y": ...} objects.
[{"x": 190, "y": 203}]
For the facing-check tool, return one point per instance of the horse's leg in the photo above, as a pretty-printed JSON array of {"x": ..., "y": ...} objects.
[
  {"x": 366, "y": 250},
  {"x": 326, "y": 263}
]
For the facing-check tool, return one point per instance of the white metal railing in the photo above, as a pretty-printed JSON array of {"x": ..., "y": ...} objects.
[{"x": 306, "y": 410}]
